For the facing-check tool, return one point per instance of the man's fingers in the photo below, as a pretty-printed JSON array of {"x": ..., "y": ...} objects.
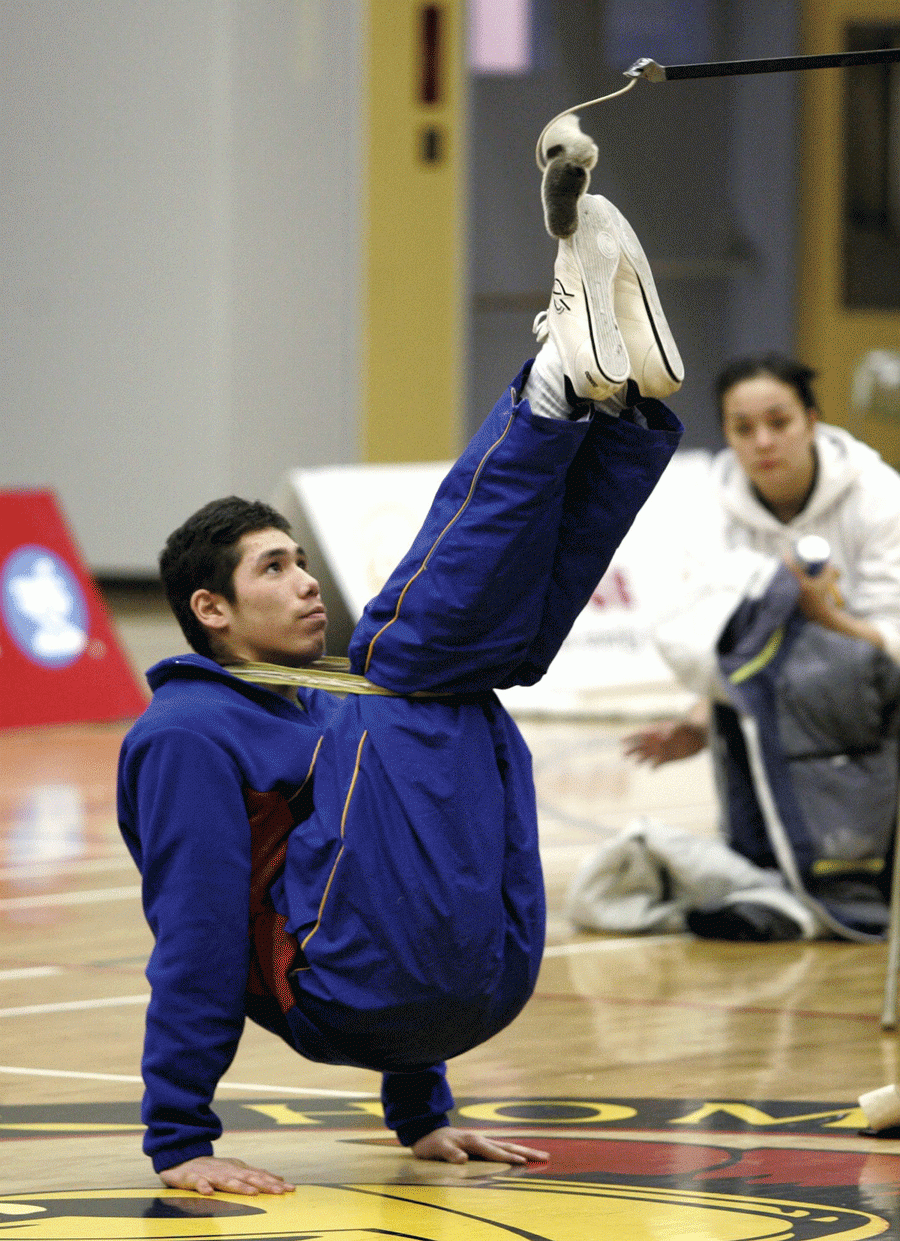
[
  {"x": 456, "y": 1145},
  {"x": 528, "y": 1152},
  {"x": 242, "y": 1184},
  {"x": 260, "y": 1183},
  {"x": 238, "y": 1185},
  {"x": 508, "y": 1152}
]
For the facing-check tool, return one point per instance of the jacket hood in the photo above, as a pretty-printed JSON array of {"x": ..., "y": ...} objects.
[{"x": 841, "y": 460}]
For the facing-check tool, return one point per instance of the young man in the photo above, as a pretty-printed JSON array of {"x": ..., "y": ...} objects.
[{"x": 362, "y": 877}]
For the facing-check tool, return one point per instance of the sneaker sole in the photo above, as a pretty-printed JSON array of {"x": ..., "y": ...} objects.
[
  {"x": 633, "y": 250},
  {"x": 596, "y": 253}
]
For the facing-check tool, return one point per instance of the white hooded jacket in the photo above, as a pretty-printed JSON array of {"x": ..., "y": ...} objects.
[{"x": 738, "y": 544}]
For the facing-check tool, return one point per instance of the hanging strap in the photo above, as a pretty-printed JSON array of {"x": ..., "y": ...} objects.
[
  {"x": 331, "y": 673},
  {"x": 578, "y": 107}
]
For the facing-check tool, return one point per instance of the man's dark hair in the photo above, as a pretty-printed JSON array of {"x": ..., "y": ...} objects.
[
  {"x": 787, "y": 370},
  {"x": 202, "y": 554}
]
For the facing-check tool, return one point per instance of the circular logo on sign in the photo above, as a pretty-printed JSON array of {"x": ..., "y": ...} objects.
[{"x": 43, "y": 607}]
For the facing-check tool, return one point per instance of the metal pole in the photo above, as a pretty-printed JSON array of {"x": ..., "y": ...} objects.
[
  {"x": 653, "y": 72},
  {"x": 889, "y": 1011}
]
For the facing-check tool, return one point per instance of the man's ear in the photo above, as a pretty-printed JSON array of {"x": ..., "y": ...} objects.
[{"x": 211, "y": 609}]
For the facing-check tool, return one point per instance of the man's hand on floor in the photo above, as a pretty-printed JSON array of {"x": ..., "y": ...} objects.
[
  {"x": 459, "y": 1145},
  {"x": 206, "y": 1174}
]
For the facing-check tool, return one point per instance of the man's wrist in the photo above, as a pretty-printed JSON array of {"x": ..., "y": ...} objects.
[
  {"x": 163, "y": 1160},
  {"x": 412, "y": 1131}
]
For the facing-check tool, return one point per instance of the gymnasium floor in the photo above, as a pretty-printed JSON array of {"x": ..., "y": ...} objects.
[{"x": 684, "y": 1089}]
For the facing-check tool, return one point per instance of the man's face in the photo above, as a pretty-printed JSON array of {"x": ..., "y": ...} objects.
[{"x": 277, "y": 615}]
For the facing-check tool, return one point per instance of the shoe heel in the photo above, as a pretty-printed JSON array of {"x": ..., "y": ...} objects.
[
  {"x": 665, "y": 342},
  {"x": 597, "y": 254}
]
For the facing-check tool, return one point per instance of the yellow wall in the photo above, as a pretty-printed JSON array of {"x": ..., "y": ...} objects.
[
  {"x": 832, "y": 338},
  {"x": 413, "y": 381}
]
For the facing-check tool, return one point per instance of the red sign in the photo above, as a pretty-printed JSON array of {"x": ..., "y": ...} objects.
[{"x": 60, "y": 661}]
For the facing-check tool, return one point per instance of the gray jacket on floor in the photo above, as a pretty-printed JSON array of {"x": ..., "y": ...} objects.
[{"x": 806, "y": 757}]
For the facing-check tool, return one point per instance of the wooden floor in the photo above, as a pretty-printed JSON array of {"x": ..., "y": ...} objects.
[{"x": 667, "y": 1042}]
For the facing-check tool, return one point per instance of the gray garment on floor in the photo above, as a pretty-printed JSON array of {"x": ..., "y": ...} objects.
[
  {"x": 646, "y": 877},
  {"x": 806, "y": 757}
]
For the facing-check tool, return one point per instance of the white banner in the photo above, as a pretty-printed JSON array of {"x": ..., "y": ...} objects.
[{"x": 360, "y": 520}]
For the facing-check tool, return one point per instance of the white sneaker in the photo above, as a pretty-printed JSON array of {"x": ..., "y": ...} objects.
[
  {"x": 605, "y": 316},
  {"x": 581, "y": 316},
  {"x": 656, "y": 365}
]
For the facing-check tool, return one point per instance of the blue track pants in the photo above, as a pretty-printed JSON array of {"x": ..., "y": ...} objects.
[{"x": 415, "y": 887}]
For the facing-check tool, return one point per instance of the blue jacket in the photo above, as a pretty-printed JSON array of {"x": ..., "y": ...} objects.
[{"x": 210, "y": 762}]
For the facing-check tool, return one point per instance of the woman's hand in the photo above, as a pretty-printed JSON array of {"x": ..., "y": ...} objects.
[
  {"x": 821, "y": 601},
  {"x": 667, "y": 741}
]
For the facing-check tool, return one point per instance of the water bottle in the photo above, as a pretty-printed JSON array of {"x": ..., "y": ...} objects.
[{"x": 813, "y": 553}]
